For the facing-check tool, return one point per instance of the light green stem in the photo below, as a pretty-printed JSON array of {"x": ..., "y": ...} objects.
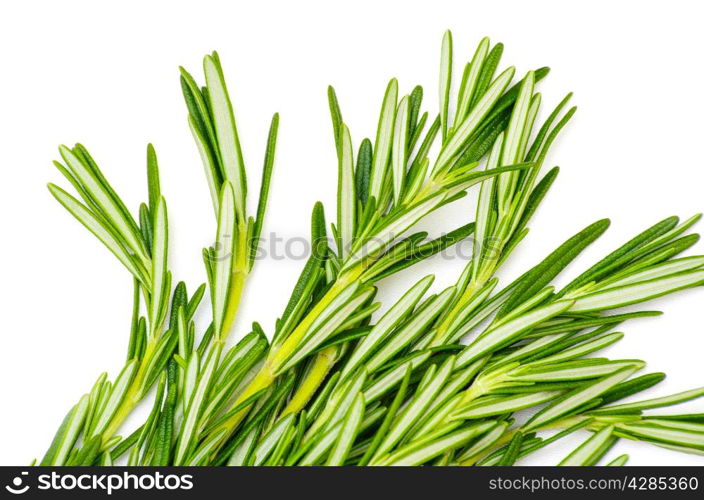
[{"x": 268, "y": 371}]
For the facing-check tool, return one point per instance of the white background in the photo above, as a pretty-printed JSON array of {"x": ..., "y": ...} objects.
[{"x": 105, "y": 74}]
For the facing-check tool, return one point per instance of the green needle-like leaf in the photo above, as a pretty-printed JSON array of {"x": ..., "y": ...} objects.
[
  {"x": 674, "y": 399},
  {"x": 67, "y": 434},
  {"x": 346, "y": 194},
  {"x": 509, "y": 331},
  {"x": 472, "y": 121},
  {"x": 348, "y": 432},
  {"x": 226, "y": 132},
  {"x": 224, "y": 255},
  {"x": 638, "y": 292},
  {"x": 577, "y": 398},
  {"x": 384, "y": 138},
  {"x": 499, "y": 405},
  {"x": 445, "y": 81},
  {"x": 160, "y": 247},
  {"x": 101, "y": 231},
  {"x": 387, "y": 323},
  {"x": 399, "y": 149},
  {"x": 589, "y": 452}
]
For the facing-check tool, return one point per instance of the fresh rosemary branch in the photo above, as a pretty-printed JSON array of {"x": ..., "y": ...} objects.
[
  {"x": 380, "y": 196},
  {"x": 478, "y": 123},
  {"x": 463, "y": 393},
  {"x": 333, "y": 387},
  {"x": 143, "y": 250},
  {"x": 212, "y": 122}
]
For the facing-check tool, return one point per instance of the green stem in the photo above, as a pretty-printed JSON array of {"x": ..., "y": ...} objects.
[
  {"x": 239, "y": 276},
  {"x": 322, "y": 365},
  {"x": 133, "y": 395},
  {"x": 237, "y": 281},
  {"x": 475, "y": 285},
  {"x": 268, "y": 372}
]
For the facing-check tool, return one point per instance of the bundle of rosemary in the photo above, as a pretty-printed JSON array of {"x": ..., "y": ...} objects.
[{"x": 437, "y": 379}]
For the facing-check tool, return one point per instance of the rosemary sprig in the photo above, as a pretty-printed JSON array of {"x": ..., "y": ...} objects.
[
  {"x": 409, "y": 190},
  {"x": 212, "y": 122},
  {"x": 333, "y": 387},
  {"x": 143, "y": 250},
  {"x": 397, "y": 189},
  {"x": 323, "y": 363},
  {"x": 502, "y": 371}
]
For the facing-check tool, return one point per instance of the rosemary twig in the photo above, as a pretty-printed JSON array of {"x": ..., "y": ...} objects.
[{"x": 334, "y": 386}]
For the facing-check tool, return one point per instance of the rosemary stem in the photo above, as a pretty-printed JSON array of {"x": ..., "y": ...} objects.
[
  {"x": 289, "y": 345},
  {"x": 239, "y": 277},
  {"x": 262, "y": 380},
  {"x": 133, "y": 395},
  {"x": 268, "y": 371},
  {"x": 323, "y": 363},
  {"x": 472, "y": 288},
  {"x": 237, "y": 281}
]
